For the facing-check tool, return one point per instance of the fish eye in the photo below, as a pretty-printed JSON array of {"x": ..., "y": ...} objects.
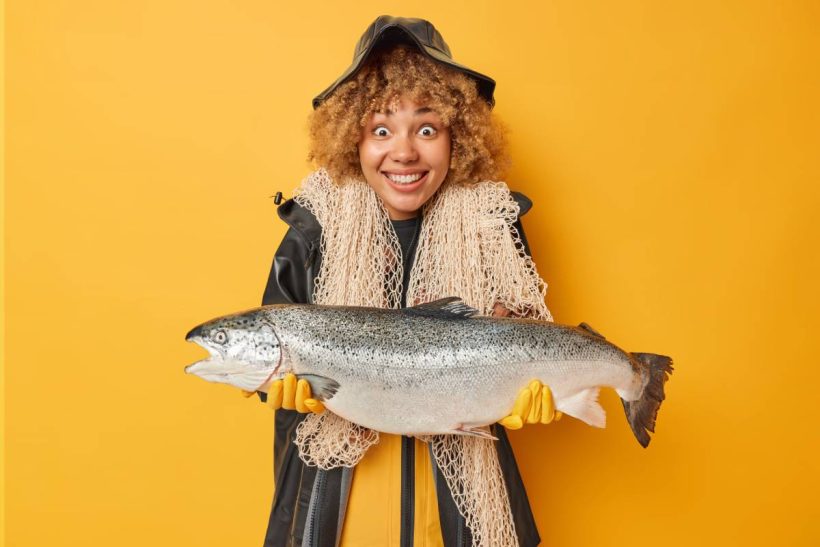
[{"x": 220, "y": 337}]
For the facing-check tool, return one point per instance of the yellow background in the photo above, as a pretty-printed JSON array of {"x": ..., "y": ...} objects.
[{"x": 671, "y": 150}]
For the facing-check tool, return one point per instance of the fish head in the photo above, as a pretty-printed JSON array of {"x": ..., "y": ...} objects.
[{"x": 244, "y": 350}]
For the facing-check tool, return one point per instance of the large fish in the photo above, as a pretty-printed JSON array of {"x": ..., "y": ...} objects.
[{"x": 430, "y": 369}]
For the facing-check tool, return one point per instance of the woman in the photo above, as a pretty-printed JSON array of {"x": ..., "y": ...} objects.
[{"x": 401, "y": 212}]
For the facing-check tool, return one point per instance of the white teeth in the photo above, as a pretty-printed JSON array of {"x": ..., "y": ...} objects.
[{"x": 404, "y": 179}]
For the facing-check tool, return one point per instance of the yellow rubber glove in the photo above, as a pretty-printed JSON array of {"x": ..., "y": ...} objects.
[
  {"x": 291, "y": 394},
  {"x": 533, "y": 405}
]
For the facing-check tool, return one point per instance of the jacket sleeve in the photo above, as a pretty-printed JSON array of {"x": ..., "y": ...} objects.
[
  {"x": 289, "y": 281},
  {"x": 525, "y": 526},
  {"x": 524, "y": 205},
  {"x": 296, "y": 262}
]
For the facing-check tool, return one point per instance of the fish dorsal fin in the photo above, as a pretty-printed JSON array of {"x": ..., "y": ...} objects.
[
  {"x": 444, "y": 308},
  {"x": 591, "y": 330}
]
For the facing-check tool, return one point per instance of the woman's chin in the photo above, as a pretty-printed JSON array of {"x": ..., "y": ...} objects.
[{"x": 402, "y": 212}]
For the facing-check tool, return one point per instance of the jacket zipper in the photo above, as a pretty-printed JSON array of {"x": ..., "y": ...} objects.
[
  {"x": 311, "y": 537},
  {"x": 408, "y": 452},
  {"x": 408, "y": 495},
  {"x": 461, "y": 537}
]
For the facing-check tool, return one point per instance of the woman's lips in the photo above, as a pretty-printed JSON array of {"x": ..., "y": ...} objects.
[{"x": 410, "y": 187}]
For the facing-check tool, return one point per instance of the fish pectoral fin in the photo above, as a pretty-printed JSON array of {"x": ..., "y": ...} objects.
[
  {"x": 591, "y": 330},
  {"x": 584, "y": 406},
  {"x": 474, "y": 431},
  {"x": 444, "y": 308},
  {"x": 322, "y": 387}
]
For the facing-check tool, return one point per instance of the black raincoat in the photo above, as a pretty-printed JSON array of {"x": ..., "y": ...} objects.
[{"x": 309, "y": 505}]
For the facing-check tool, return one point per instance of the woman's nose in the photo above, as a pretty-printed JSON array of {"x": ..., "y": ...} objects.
[{"x": 403, "y": 150}]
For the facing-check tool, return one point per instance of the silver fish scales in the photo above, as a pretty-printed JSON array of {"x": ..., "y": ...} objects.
[{"x": 431, "y": 369}]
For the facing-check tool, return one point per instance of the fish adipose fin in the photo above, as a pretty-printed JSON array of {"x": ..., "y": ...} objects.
[
  {"x": 321, "y": 387},
  {"x": 584, "y": 406},
  {"x": 643, "y": 412},
  {"x": 444, "y": 308},
  {"x": 474, "y": 431},
  {"x": 591, "y": 330}
]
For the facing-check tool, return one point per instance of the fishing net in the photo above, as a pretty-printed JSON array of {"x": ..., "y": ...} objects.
[
  {"x": 328, "y": 441},
  {"x": 468, "y": 247},
  {"x": 361, "y": 256},
  {"x": 472, "y": 471}
]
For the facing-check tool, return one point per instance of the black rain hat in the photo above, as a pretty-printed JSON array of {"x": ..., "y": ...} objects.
[{"x": 387, "y": 30}]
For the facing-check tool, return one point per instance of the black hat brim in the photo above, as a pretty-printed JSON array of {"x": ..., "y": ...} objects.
[{"x": 395, "y": 34}]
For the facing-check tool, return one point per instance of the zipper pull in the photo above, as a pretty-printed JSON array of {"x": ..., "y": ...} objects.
[{"x": 277, "y": 198}]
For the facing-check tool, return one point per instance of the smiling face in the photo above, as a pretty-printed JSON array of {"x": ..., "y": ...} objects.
[{"x": 405, "y": 156}]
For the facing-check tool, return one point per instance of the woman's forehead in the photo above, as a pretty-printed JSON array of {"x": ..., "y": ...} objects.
[{"x": 406, "y": 103}]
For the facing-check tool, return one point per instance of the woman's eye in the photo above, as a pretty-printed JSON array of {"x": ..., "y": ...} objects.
[
  {"x": 381, "y": 132},
  {"x": 427, "y": 131}
]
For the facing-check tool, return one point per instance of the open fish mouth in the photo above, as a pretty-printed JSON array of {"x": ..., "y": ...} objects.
[
  {"x": 238, "y": 374},
  {"x": 215, "y": 368},
  {"x": 214, "y": 364}
]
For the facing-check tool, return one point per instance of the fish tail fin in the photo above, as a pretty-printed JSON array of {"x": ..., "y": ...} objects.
[{"x": 642, "y": 412}]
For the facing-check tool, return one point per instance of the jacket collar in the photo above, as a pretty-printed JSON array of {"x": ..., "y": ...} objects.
[{"x": 301, "y": 220}]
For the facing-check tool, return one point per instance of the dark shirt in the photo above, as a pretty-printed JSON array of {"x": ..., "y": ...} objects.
[{"x": 408, "y": 233}]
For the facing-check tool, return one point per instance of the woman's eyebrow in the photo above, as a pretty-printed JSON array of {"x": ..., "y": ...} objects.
[{"x": 420, "y": 111}]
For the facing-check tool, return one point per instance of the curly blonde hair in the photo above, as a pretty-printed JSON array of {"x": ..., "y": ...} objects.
[{"x": 478, "y": 143}]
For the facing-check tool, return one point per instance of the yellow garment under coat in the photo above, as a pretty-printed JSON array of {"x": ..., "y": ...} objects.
[{"x": 373, "y": 517}]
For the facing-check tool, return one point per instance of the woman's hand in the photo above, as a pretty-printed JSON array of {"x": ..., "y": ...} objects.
[
  {"x": 291, "y": 394},
  {"x": 533, "y": 405}
]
